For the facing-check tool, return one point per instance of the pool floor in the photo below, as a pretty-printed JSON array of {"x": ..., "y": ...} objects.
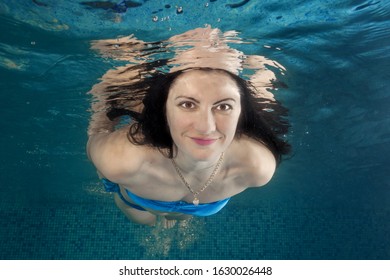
[{"x": 102, "y": 232}]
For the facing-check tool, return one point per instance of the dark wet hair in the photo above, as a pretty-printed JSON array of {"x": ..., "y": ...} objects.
[{"x": 262, "y": 119}]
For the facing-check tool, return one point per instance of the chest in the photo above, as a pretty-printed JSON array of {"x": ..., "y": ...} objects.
[{"x": 162, "y": 182}]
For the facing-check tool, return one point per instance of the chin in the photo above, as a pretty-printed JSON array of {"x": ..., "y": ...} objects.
[{"x": 204, "y": 153}]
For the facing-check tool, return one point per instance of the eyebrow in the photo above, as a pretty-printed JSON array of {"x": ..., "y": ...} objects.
[{"x": 197, "y": 101}]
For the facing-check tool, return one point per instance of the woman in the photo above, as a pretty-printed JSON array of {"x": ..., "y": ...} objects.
[
  {"x": 197, "y": 136},
  {"x": 198, "y": 141}
]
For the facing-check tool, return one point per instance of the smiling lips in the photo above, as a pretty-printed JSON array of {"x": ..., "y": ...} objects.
[{"x": 204, "y": 141}]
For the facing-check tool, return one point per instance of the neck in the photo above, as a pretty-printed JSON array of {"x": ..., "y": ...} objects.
[
  {"x": 189, "y": 165},
  {"x": 205, "y": 184}
]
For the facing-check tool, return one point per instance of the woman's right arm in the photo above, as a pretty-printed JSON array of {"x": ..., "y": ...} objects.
[{"x": 113, "y": 155}]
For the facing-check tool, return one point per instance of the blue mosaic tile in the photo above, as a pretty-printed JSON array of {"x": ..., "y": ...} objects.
[{"x": 90, "y": 232}]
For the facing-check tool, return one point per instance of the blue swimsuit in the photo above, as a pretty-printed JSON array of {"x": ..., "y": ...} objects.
[{"x": 203, "y": 209}]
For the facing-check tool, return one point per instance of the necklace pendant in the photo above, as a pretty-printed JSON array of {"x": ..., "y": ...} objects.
[
  {"x": 195, "y": 201},
  {"x": 208, "y": 182}
]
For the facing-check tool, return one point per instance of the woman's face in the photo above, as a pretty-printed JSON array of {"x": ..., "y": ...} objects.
[{"x": 203, "y": 109}]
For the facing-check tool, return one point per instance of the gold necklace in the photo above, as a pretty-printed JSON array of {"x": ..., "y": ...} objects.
[{"x": 208, "y": 182}]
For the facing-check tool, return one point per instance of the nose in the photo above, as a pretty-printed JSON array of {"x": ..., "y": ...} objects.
[{"x": 205, "y": 122}]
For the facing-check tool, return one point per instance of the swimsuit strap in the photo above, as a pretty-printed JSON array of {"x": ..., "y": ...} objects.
[{"x": 113, "y": 187}]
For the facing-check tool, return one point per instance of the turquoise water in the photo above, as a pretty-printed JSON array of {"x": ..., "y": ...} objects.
[{"x": 331, "y": 200}]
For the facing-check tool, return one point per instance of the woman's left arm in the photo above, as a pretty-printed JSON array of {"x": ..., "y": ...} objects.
[{"x": 260, "y": 163}]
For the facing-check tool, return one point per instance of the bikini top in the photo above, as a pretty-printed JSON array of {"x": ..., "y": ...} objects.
[{"x": 203, "y": 209}]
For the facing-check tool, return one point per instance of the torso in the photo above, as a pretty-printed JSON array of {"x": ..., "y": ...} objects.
[{"x": 156, "y": 178}]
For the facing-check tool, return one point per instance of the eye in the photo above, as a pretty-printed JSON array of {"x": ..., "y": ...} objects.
[
  {"x": 187, "y": 105},
  {"x": 224, "y": 107}
]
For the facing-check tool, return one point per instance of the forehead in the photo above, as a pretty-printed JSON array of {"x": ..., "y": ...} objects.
[{"x": 201, "y": 81}]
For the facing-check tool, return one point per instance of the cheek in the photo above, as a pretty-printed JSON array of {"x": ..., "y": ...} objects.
[
  {"x": 228, "y": 127},
  {"x": 170, "y": 116},
  {"x": 232, "y": 123},
  {"x": 176, "y": 122}
]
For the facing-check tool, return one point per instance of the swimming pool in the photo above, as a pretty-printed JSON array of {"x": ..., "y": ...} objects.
[{"x": 331, "y": 200}]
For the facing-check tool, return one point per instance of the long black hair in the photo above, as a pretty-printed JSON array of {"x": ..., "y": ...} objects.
[{"x": 262, "y": 119}]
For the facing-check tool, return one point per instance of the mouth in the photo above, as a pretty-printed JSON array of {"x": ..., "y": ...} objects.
[{"x": 204, "y": 141}]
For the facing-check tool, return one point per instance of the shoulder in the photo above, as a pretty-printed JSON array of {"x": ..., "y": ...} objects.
[
  {"x": 113, "y": 155},
  {"x": 257, "y": 161}
]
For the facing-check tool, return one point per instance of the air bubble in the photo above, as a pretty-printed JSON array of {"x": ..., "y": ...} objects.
[{"x": 155, "y": 18}]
